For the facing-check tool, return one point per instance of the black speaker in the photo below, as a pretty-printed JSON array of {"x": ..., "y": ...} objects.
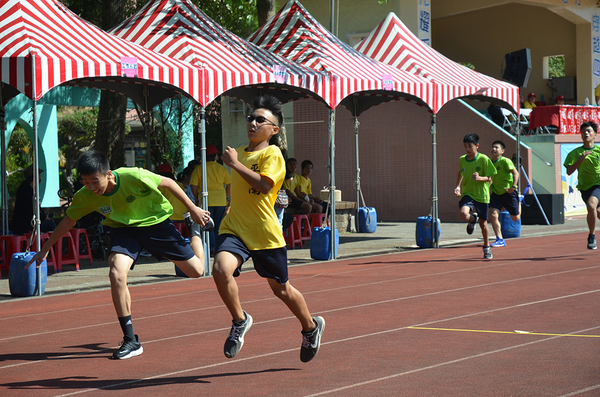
[
  {"x": 553, "y": 205},
  {"x": 518, "y": 67}
]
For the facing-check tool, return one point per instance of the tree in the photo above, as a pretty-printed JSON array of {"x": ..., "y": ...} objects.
[
  {"x": 76, "y": 132},
  {"x": 265, "y": 10}
]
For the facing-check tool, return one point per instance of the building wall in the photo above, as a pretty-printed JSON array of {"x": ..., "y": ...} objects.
[
  {"x": 496, "y": 31},
  {"x": 395, "y": 154}
]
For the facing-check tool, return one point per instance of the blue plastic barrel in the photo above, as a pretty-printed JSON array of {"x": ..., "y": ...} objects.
[
  {"x": 320, "y": 243},
  {"x": 424, "y": 233},
  {"x": 23, "y": 282},
  {"x": 510, "y": 228}
]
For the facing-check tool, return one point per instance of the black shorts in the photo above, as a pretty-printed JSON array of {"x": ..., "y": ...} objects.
[
  {"x": 509, "y": 201},
  {"x": 296, "y": 204},
  {"x": 593, "y": 191},
  {"x": 481, "y": 208},
  {"x": 162, "y": 240},
  {"x": 268, "y": 263}
]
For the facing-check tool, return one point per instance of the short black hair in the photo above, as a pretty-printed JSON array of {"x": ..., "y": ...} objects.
[
  {"x": 471, "y": 138},
  {"x": 91, "y": 162},
  {"x": 589, "y": 124},
  {"x": 305, "y": 163},
  {"x": 499, "y": 142},
  {"x": 272, "y": 104}
]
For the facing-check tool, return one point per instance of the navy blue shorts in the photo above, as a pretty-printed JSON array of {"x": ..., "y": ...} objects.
[
  {"x": 509, "y": 201},
  {"x": 162, "y": 240},
  {"x": 481, "y": 208},
  {"x": 593, "y": 191},
  {"x": 269, "y": 263}
]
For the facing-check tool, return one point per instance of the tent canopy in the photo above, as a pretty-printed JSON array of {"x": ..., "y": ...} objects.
[
  {"x": 229, "y": 63},
  {"x": 392, "y": 43},
  {"x": 294, "y": 34},
  {"x": 70, "y": 50}
]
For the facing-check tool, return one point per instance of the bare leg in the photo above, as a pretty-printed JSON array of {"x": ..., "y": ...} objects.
[
  {"x": 592, "y": 208},
  {"x": 495, "y": 221},
  {"x": 485, "y": 232},
  {"x": 294, "y": 301},
  {"x": 193, "y": 267},
  {"x": 223, "y": 268},
  {"x": 119, "y": 268}
]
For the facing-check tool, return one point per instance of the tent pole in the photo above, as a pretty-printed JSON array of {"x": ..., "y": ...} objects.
[
  {"x": 3, "y": 165},
  {"x": 36, "y": 177},
  {"x": 148, "y": 117},
  {"x": 356, "y": 124},
  {"x": 434, "y": 190},
  {"x": 332, "y": 180},
  {"x": 204, "y": 204}
]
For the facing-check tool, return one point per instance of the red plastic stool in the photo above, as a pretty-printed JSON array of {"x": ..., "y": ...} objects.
[
  {"x": 316, "y": 220},
  {"x": 292, "y": 235},
  {"x": 11, "y": 245},
  {"x": 304, "y": 229},
  {"x": 51, "y": 258},
  {"x": 72, "y": 255},
  {"x": 77, "y": 233}
]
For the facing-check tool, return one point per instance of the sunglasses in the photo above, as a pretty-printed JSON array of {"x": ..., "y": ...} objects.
[{"x": 259, "y": 119}]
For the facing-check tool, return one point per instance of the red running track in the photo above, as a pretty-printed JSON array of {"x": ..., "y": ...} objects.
[{"x": 440, "y": 322}]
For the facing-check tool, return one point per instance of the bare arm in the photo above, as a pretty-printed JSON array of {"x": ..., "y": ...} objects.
[
  {"x": 573, "y": 167},
  {"x": 63, "y": 228},
  {"x": 198, "y": 214},
  {"x": 254, "y": 179},
  {"x": 457, "y": 189}
]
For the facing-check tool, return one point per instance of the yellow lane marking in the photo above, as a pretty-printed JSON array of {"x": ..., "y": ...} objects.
[{"x": 518, "y": 332}]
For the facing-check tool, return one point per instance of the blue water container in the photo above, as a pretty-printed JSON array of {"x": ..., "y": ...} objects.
[
  {"x": 510, "y": 228},
  {"x": 424, "y": 233},
  {"x": 320, "y": 243},
  {"x": 21, "y": 281},
  {"x": 367, "y": 220}
]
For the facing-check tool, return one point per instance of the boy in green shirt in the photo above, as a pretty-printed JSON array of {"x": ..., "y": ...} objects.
[
  {"x": 586, "y": 161},
  {"x": 505, "y": 192},
  {"x": 473, "y": 188},
  {"x": 138, "y": 215}
]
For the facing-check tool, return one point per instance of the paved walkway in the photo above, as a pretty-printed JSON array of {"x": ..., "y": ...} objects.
[{"x": 390, "y": 237}]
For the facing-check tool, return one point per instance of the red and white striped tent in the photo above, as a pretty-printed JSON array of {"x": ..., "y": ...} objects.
[
  {"x": 294, "y": 34},
  {"x": 179, "y": 29},
  {"x": 68, "y": 49},
  {"x": 392, "y": 43}
]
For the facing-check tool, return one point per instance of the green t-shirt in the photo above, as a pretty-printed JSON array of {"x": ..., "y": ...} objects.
[
  {"x": 504, "y": 177},
  {"x": 135, "y": 201},
  {"x": 588, "y": 172},
  {"x": 478, "y": 191}
]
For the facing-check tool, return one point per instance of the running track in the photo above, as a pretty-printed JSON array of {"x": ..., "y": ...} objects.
[{"x": 438, "y": 322}]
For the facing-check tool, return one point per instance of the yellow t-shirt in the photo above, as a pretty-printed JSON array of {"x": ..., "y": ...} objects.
[
  {"x": 217, "y": 177},
  {"x": 290, "y": 184},
  {"x": 178, "y": 207},
  {"x": 528, "y": 105},
  {"x": 304, "y": 183},
  {"x": 252, "y": 215}
]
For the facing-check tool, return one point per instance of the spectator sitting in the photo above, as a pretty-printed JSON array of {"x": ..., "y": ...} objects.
[
  {"x": 530, "y": 102},
  {"x": 560, "y": 100},
  {"x": 304, "y": 188},
  {"x": 296, "y": 204}
]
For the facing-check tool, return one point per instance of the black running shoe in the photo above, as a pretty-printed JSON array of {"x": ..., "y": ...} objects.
[
  {"x": 312, "y": 340},
  {"x": 235, "y": 340},
  {"x": 471, "y": 225},
  {"x": 592, "y": 242},
  {"x": 129, "y": 348},
  {"x": 195, "y": 229}
]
